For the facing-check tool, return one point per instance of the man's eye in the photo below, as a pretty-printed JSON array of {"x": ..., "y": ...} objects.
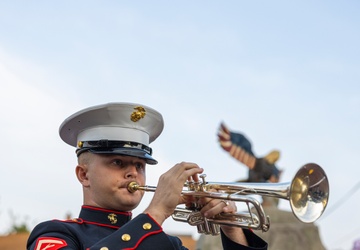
[
  {"x": 118, "y": 162},
  {"x": 139, "y": 165}
]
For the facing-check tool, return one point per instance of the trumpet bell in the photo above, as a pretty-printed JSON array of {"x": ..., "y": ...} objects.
[{"x": 309, "y": 193}]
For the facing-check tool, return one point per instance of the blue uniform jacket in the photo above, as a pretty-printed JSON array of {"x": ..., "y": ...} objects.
[{"x": 101, "y": 229}]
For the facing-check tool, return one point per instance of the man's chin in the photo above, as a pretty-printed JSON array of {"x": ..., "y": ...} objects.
[
  {"x": 129, "y": 207},
  {"x": 132, "y": 203}
]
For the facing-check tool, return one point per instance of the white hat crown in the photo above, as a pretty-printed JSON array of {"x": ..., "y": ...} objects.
[{"x": 125, "y": 122}]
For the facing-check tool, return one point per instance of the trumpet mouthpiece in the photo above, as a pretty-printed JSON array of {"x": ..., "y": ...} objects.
[{"x": 132, "y": 187}]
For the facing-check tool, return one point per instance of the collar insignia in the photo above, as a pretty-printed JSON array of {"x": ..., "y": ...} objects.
[{"x": 112, "y": 218}]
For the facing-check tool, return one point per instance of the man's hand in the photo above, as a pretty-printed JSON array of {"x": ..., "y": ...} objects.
[
  {"x": 168, "y": 191},
  {"x": 213, "y": 207}
]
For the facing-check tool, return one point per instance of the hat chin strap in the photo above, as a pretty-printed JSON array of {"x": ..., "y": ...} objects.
[{"x": 110, "y": 144}]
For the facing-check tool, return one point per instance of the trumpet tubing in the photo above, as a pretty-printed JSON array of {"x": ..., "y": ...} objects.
[{"x": 307, "y": 193}]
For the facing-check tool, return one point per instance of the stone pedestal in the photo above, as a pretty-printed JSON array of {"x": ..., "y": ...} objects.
[{"x": 286, "y": 232}]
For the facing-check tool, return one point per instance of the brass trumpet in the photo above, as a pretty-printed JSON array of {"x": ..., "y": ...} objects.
[{"x": 308, "y": 194}]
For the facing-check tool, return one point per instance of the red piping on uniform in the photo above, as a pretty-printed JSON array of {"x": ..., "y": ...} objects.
[
  {"x": 154, "y": 220},
  {"x": 99, "y": 224},
  {"x": 142, "y": 238}
]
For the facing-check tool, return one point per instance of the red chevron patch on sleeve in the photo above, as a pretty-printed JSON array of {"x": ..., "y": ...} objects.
[{"x": 50, "y": 243}]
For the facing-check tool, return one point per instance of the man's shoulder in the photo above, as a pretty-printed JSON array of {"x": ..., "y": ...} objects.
[
  {"x": 56, "y": 225},
  {"x": 176, "y": 242},
  {"x": 51, "y": 231}
]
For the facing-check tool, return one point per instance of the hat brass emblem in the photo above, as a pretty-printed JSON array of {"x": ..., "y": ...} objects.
[
  {"x": 80, "y": 144},
  {"x": 138, "y": 114},
  {"x": 112, "y": 218}
]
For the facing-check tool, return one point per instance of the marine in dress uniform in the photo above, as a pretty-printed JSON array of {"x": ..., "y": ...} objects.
[{"x": 122, "y": 129}]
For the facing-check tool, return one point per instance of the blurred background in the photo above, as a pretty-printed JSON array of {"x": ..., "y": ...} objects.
[{"x": 286, "y": 74}]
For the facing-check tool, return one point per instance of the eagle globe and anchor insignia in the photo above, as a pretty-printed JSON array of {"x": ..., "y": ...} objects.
[
  {"x": 138, "y": 114},
  {"x": 112, "y": 218}
]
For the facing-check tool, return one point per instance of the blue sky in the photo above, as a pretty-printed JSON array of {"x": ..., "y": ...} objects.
[{"x": 284, "y": 73}]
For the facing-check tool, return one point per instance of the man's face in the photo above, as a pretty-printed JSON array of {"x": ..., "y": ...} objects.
[{"x": 107, "y": 179}]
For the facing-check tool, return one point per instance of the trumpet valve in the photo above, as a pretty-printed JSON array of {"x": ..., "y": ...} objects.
[
  {"x": 203, "y": 176},
  {"x": 203, "y": 184},
  {"x": 190, "y": 185}
]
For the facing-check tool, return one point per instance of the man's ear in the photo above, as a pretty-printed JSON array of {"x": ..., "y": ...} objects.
[{"x": 81, "y": 174}]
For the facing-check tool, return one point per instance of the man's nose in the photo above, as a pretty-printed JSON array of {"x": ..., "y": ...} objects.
[{"x": 131, "y": 171}]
